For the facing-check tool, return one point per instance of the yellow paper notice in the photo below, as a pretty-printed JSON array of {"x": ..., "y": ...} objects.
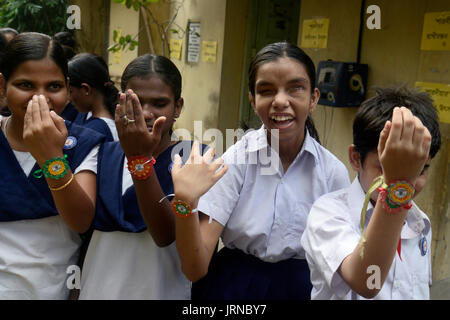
[
  {"x": 209, "y": 51},
  {"x": 436, "y": 30},
  {"x": 175, "y": 48},
  {"x": 315, "y": 33},
  {"x": 440, "y": 93}
]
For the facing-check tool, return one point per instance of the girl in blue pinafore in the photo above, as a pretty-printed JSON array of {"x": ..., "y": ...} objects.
[
  {"x": 93, "y": 94},
  {"x": 48, "y": 167}
]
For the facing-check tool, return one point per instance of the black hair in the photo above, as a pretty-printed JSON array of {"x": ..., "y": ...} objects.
[
  {"x": 31, "y": 46},
  {"x": 9, "y": 31},
  {"x": 273, "y": 52},
  {"x": 66, "y": 39},
  {"x": 93, "y": 70},
  {"x": 3, "y": 45},
  {"x": 151, "y": 64},
  {"x": 374, "y": 112}
]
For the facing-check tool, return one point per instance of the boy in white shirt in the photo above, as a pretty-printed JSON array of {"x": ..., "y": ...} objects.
[{"x": 395, "y": 134}]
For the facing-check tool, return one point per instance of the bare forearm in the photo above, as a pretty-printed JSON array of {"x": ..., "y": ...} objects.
[
  {"x": 75, "y": 207},
  {"x": 382, "y": 236},
  {"x": 194, "y": 254},
  {"x": 157, "y": 216}
]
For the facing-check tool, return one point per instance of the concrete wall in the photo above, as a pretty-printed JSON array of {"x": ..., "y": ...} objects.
[
  {"x": 93, "y": 35},
  {"x": 202, "y": 81},
  {"x": 127, "y": 20}
]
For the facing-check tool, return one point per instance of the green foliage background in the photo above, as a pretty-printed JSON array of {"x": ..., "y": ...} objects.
[{"x": 45, "y": 16}]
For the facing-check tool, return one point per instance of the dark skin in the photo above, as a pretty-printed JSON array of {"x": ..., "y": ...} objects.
[{"x": 151, "y": 103}]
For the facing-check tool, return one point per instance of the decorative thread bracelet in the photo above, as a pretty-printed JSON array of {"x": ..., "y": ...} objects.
[
  {"x": 396, "y": 196},
  {"x": 182, "y": 209},
  {"x": 56, "y": 168},
  {"x": 140, "y": 167},
  {"x": 64, "y": 185}
]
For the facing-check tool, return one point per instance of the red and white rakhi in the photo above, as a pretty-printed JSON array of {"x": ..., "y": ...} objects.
[{"x": 140, "y": 167}]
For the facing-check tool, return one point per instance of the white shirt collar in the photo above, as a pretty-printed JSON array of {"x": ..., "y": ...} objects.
[{"x": 258, "y": 141}]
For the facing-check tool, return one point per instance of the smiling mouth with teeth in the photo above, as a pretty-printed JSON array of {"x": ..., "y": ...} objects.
[{"x": 281, "y": 118}]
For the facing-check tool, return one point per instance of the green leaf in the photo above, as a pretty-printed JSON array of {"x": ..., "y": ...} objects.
[
  {"x": 115, "y": 34},
  {"x": 173, "y": 30}
]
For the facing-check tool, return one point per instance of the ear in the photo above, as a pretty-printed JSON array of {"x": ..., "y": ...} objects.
[
  {"x": 87, "y": 89},
  {"x": 178, "y": 107},
  {"x": 355, "y": 158},
  {"x": 252, "y": 101},
  {"x": 315, "y": 95},
  {"x": 2, "y": 85}
]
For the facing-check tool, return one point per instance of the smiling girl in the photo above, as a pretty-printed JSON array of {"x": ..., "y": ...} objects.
[
  {"x": 48, "y": 185},
  {"x": 260, "y": 217}
]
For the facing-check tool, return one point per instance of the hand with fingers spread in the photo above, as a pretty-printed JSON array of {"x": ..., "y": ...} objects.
[
  {"x": 403, "y": 147},
  {"x": 44, "y": 132},
  {"x": 197, "y": 176},
  {"x": 134, "y": 135}
]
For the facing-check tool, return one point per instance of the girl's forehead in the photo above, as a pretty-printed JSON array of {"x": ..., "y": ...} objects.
[
  {"x": 150, "y": 85},
  {"x": 282, "y": 67},
  {"x": 43, "y": 68}
]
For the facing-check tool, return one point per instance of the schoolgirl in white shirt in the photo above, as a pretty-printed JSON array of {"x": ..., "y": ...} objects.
[{"x": 259, "y": 207}]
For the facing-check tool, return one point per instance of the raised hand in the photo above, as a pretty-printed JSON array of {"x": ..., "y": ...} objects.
[
  {"x": 404, "y": 146},
  {"x": 135, "y": 138},
  {"x": 197, "y": 176},
  {"x": 44, "y": 132}
]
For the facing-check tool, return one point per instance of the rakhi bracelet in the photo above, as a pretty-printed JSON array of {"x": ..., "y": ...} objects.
[
  {"x": 182, "y": 209},
  {"x": 140, "y": 167},
  {"x": 64, "y": 185},
  {"x": 56, "y": 168},
  {"x": 396, "y": 196}
]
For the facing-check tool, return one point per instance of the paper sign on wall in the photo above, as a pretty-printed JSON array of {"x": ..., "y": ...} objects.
[
  {"x": 440, "y": 93},
  {"x": 315, "y": 33},
  {"x": 436, "y": 30},
  {"x": 175, "y": 48},
  {"x": 193, "y": 42},
  {"x": 209, "y": 51}
]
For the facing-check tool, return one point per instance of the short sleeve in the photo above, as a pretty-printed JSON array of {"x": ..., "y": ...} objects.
[
  {"x": 328, "y": 239},
  {"x": 219, "y": 202},
  {"x": 90, "y": 162}
]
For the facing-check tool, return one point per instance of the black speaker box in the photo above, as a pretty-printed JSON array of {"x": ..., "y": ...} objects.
[{"x": 341, "y": 84}]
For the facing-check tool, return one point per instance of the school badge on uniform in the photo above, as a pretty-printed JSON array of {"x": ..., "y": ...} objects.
[
  {"x": 423, "y": 245},
  {"x": 70, "y": 143}
]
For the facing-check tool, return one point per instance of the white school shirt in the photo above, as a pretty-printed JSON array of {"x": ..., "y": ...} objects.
[
  {"x": 35, "y": 253},
  {"x": 264, "y": 210},
  {"x": 111, "y": 125},
  {"x": 127, "y": 265},
  {"x": 333, "y": 232}
]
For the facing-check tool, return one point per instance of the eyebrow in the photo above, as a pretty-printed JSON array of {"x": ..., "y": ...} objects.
[{"x": 295, "y": 80}]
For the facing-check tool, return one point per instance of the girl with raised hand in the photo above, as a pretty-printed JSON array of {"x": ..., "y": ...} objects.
[
  {"x": 93, "y": 94},
  {"x": 132, "y": 252},
  {"x": 259, "y": 212},
  {"x": 48, "y": 167}
]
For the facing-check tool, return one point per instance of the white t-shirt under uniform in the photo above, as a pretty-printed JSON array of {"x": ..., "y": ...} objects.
[{"x": 333, "y": 232}]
